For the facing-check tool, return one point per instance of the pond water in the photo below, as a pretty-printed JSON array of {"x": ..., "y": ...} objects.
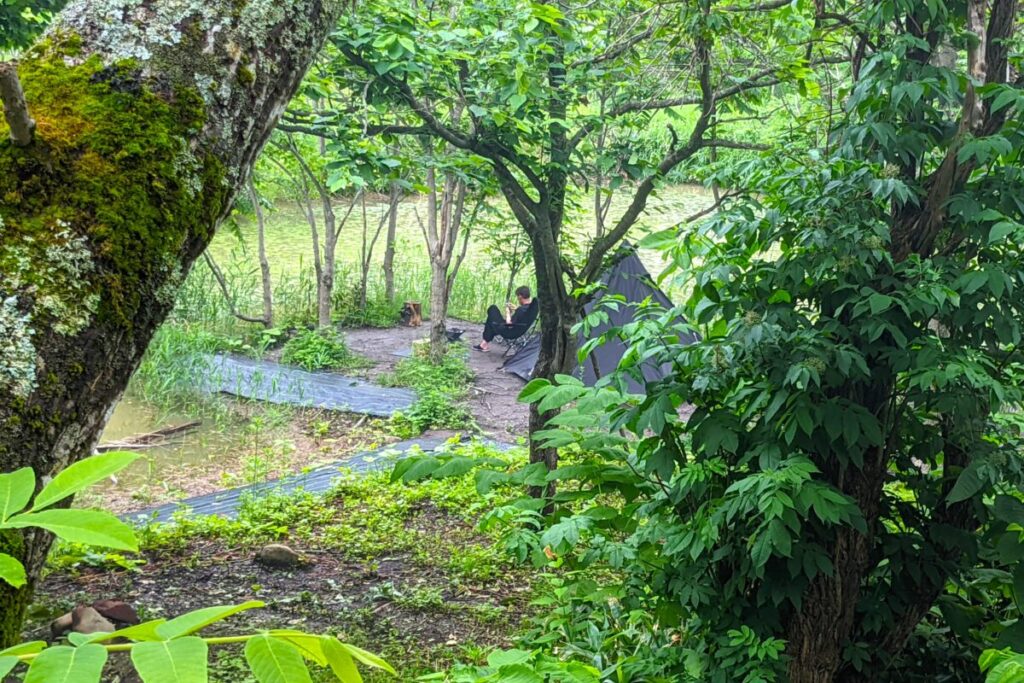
[
  {"x": 289, "y": 242},
  {"x": 133, "y": 417}
]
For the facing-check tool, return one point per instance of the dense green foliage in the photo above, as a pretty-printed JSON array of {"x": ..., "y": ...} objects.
[
  {"x": 828, "y": 485},
  {"x": 441, "y": 387},
  {"x": 22, "y": 20},
  {"x": 320, "y": 350}
]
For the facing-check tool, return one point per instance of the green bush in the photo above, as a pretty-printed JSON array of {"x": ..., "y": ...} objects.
[
  {"x": 441, "y": 388},
  {"x": 378, "y": 312},
  {"x": 321, "y": 350}
]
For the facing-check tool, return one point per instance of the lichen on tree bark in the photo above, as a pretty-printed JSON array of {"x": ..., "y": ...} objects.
[{"x": 149, "y": 116}]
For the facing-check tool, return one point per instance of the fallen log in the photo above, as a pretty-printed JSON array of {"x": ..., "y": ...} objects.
[{"x": 149, "y": 439}]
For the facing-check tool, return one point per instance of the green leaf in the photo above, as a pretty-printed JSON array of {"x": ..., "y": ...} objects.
[
  {"x": 487, "y": 479},
  {"x": 183, "y": 660},
  {"x": 518, "y": 673},
  {"x": 82, "y": 475},
  {"x": 91, "y": 527},
  {"x": 340, "y": 661},
  {"x": 1000, "y": 230},
  {"x": 6, "y": 665},
  {"x": 275, "y": 661},
  {"x": 1018, "y": 585},
  {"x": 30, "y": 648},
  {"x": 879, "y": 303},
  {"x": 967, "y": 484},
  {"x": 140, "y": 632},
  {"x": 532, "y": 390},
  {"x": 191, "y": 622},
  {"x": 15, "y": 491},
  {"x": 12, "y": 571},
  {"x": 368, "y": 658},
  {"x": 309, "y": 645},
  {"x": 560, "y": 396},
  {"x": 500, "y": 658},
  {"x": 1009, "y": 509},
  {"x": 63, "y": 664}
]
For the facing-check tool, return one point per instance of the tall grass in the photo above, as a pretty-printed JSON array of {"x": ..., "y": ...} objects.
[{"x": 201, "y": 303}]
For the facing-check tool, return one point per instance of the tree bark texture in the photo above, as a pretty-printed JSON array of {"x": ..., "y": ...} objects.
[
  {"x": 15, "y": 109},
  {"x": 441, "y": 232},
  {"x": 149, "y": 115}
]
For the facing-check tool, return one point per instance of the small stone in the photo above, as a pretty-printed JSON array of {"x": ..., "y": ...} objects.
[
  {"x": 117, "y": 610},
  {"x": 279, "y": 556},
  {"x": 87, "y": 620},
  {"x": 60, "y": 625}
]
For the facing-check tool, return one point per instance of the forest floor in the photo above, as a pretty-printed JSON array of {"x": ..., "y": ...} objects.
[{"x": 401, "y": 570}]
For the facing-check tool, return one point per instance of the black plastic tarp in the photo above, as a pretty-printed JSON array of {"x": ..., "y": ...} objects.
[
  {"x": 275, "y": 383},
  {"x": 628, "y": 278}
]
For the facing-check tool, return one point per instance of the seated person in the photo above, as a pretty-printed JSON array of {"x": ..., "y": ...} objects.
[{"x": 511, "y": 325}]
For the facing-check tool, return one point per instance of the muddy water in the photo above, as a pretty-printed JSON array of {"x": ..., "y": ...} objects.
[{"x": 133, "y": 417}]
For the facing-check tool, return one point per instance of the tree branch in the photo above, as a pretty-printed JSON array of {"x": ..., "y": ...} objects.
[
  {"x": 593, "y": 266},
  {"x": 733, "y": 144},
  {"x": 22, "y": 125},
  {"x": 373, "y": 129},
  {"x": 222, "y": 283},
  {"x": 616, "y": 51},
  {"x": 763, "y": 7},
  {"x": 490, "y": 150}
]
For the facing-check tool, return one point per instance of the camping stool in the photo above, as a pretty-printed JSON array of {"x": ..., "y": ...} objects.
[{"x": 514, "y": 345}]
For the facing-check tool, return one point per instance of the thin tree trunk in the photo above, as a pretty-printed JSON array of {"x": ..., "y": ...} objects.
[
  {"x": 365, "y": 253},
  {"x": 268, "y": 289},
  {"x": 394, "y": 198},
  {"x": 132, "y": 223},
  {"x": 218, "y": 276}
]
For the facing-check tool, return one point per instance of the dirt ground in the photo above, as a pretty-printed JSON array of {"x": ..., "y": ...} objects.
[
  {"x": 492, "y": 397},
  {"x": 399, "y": 601}
]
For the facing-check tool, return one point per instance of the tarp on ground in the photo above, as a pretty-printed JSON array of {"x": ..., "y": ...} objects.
[
  {"x": 275, "y": 383},
  {"x": 322, "y": 479},
  {"x": 628, "y": 278}
]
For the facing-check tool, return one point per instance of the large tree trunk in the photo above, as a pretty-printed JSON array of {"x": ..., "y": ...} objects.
[
  {"x": 149, "y": 116},
  {"x": 559, "y": 311}
]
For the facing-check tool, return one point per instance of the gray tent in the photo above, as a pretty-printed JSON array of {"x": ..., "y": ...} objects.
[{"x": 629, "y": 278}]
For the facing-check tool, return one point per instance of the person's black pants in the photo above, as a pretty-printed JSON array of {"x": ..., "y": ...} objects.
[{"x": 496, "y": 325}]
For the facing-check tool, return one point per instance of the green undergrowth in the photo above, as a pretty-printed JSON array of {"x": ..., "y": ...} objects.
[
  {"x": 362, "y": 517},
  {"x": 321, "y": 350},
  {"x": 367, "y": 523},
  {"x": 441, "y": 388}
]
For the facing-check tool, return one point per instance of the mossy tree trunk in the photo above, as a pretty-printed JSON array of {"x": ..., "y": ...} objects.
[{"x": 148, "y": 118}]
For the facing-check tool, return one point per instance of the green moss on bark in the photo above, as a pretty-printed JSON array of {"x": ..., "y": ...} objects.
[{"x": 98, "y": 210}]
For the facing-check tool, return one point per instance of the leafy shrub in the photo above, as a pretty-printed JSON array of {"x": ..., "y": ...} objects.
[
  {"x": 321, "y": 350},
  {"x": 440, "y": 387},
  {"x": 378, "y": 312}
]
